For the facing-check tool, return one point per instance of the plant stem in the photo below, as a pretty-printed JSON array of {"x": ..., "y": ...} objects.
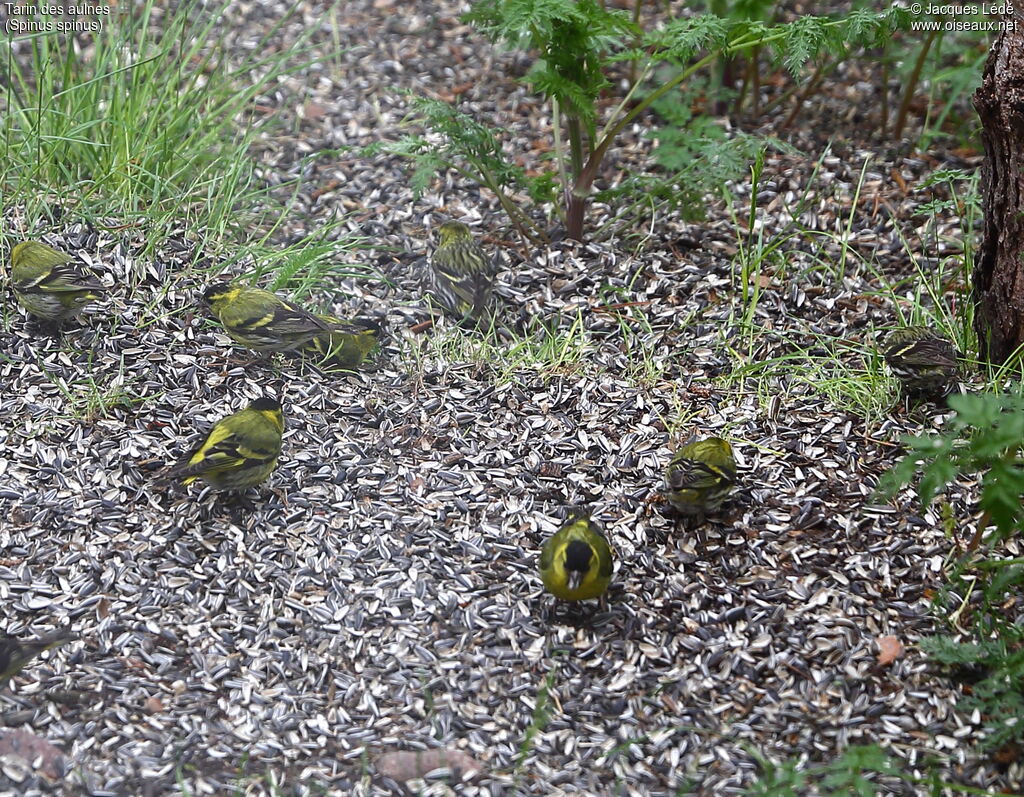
[
  {"x": 816, "y": 78},
  {"x": 884, "y": 123},
  {"x": 576, "y": 194},
  {"x": 523, "y": 224},
  {"x": 576, "y": 200},
  {"x": 912, "y": 81}
]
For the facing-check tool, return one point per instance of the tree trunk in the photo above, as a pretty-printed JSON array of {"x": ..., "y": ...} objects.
[{"x": 999, "y": 264}]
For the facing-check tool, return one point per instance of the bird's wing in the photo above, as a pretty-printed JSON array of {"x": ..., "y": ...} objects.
[
  {"x": 282, "y": 316},
  {"x": 547, "y": 555},
  {"x": 219, "y": 450},
  {"x": 604, "y": 560},
  {"x": 64, "y": 278}
]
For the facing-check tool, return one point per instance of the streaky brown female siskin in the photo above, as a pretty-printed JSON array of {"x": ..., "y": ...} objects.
[
  {"x": 923, "y": 360},
  {"x": 699, "y": 477},
  {"x": 461, "y": 276}
]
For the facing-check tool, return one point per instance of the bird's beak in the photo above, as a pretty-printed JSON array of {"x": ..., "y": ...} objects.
[{"x": 575, "y": 579}]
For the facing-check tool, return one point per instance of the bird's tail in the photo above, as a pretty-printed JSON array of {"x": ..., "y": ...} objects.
[{"x": 53, "y": 639}]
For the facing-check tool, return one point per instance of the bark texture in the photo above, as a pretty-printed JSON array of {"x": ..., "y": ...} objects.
[{"x": 999, "y": 265}]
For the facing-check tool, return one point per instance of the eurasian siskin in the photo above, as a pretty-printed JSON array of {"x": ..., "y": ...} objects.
[
  {"x": 262, "y": 320},
  {"x": 576, "y": 561},
  {"x": 240, "y": 451},
  {"x": 700, "y": 476},
  {"x": 16, "y": 653},
  {"x": 49, "y": 284},
  {"x": 924, "y": 361},
  {"x": 346, "y": 344},
  {"x": 461, "y": 275}
]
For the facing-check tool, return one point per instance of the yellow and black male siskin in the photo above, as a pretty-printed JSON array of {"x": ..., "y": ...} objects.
[
  {"x": 261, "y": 320},
  {"x": 16, "y": 653},
  {"x": 240, "y": 451},
  {"x": 345, "y": 344},
  {"x": 576, "y": 561}
]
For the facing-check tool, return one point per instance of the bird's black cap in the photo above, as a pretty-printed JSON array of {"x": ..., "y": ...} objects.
[
  {"x": 214, "y": 289},
  {"x": 266, "y": 404}
]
